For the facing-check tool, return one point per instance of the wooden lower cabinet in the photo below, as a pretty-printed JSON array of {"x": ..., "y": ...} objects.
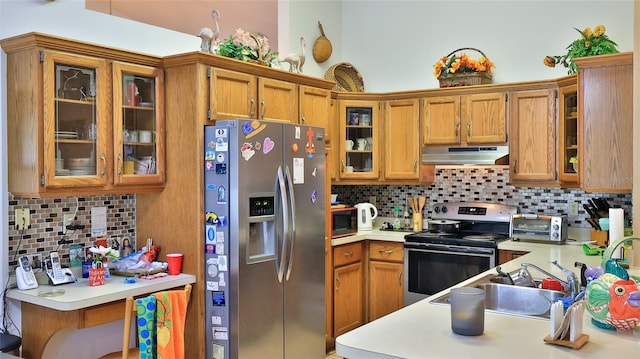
[
  {"x": 505, "y": 255},
  {"x": 386, "y": 284},
  {"x": 348, "y": 288},
  {"x": 366, "y": 284}
]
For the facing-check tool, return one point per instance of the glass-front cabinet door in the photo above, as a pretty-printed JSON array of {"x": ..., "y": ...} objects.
[
  {"x": 568, "y": 108},
  {"x": 75, "y": 105},
  {"x": 138, "y": 124},
  {"x": 359, "y": 145}
]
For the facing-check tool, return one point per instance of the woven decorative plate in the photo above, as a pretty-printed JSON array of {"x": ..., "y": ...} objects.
[{"x": 346, "y": 76}]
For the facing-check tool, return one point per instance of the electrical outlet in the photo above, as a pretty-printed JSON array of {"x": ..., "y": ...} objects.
[
  {"x": 67, "y": 219},
  {"x": 23, "y": 218},
  {"x": 573, "y": 209},
  {"x": 372, "y": 200}
]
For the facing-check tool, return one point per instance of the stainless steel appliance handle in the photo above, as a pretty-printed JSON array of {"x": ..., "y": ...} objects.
[
  {"x": 424, "y": 247},
  {"x": 292, "y": 232},
  {"x": 285, "y": 218}
]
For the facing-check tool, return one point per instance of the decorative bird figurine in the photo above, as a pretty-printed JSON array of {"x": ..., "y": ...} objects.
[
  {"x": 613, "y": 303},
  {"x": 208, "y": 36}
]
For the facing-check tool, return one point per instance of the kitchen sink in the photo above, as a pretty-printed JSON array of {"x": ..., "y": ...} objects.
[{"x": 512, "y": 299}]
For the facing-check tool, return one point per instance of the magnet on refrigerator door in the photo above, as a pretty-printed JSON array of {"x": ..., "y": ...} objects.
[
  {"x": 221, "y": 168},
  {"x": 314, "y": 173},
  {"x": 310, "y": 147},
  {"x": 294, "y": 148},
  {"x": 296, "y": 133},
  {"x": 209, "y": 155},
  {"x": 212, "y": 286},
  {"x": 221, "y": 281},
  {"x": 212, "y": 271},
  {"x": 222, "y": 195},
  {"x": 208, "y": 166},
  {"x": 222, "y": 145},
  {"x": 210, "y": 187},
  {"x": 211, "y": 233},
  {"x": 314, "y": 196},
  {"x": 268, "y": 145},
  {"x": 220, "y": 157},
  {"x": 298, "y": 170},
  {"x": 252, "y": 128},
  {"x": 211, "y": 218},
  {"x": 209, "y": 248},
  {"x": 211, "y": 144}
]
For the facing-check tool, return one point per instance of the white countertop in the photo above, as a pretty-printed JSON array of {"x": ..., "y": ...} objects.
[
  {"x": 80, "y": 295},
  {"x": 423, "y": 330}
]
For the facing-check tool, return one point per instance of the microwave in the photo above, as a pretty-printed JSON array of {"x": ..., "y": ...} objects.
[
  {"x": 538, "y": 228},
  {"x": 344, "y": 222}
]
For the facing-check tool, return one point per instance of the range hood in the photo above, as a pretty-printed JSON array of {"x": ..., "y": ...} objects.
[{"x": 467, "y": 155}]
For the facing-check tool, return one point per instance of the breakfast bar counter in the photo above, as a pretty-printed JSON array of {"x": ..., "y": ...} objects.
[
  {"x": 423, "y": 329},
  {"x": 46, "y": 313}
]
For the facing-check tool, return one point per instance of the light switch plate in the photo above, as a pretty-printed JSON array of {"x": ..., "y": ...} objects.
[
  {"x": 23, "y": 218},
  {"x": 573, "y": 209}
]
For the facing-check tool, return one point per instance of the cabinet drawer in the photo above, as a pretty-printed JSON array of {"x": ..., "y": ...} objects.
[
  {"x": 347, "y": 253},
  {"x": 388, "y": 251}
]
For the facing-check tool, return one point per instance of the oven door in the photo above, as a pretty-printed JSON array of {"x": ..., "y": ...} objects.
[{"x": 430, "y": 268}]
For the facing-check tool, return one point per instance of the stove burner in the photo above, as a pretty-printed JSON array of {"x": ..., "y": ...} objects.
[{"x": 483, "y": 237}]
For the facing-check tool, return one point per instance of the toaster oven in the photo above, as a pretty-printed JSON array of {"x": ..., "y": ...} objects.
[{"x": 538, "y": 228}]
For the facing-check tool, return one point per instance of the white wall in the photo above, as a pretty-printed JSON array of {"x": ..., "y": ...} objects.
[{"x": 394, "y": 44}]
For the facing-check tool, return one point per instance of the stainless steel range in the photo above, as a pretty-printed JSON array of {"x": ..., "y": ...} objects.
[{"x": 461, "y": 242}]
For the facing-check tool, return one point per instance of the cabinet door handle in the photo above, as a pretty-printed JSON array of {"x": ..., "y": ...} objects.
[
  {"x": 104, "y": 164},
  {"x": 120, "y": 165},
  {"x": 343, "y": 166},
  {"x": 348, "y": 254},
  {"x": 252, "y": 112},
  {"x": 337, "y": 283},
  {"x": 515, "y": 165},
  {"x": 469, "y": 129},
  {"x": 457, "y": 129},
  {"x": 400, "y": 277},
  {"x": 263, "y": 110},
  {"x": 415, "y": 165},
  {"x": 302, "y": 119},
  {"x": 387, "y": 251}
]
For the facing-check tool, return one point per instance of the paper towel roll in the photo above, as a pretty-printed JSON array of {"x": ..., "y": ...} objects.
[{"x": 616, "y": 229}]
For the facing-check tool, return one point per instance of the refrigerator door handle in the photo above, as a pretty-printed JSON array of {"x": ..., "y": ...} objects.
[
  {"x": 292, "y": 232},
  {"x": 280, "y": 188}
]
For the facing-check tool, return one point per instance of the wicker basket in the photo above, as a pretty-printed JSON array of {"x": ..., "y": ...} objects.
[
  {"x": 465, "y": 78},
  {"x": 347, "y": 78}
]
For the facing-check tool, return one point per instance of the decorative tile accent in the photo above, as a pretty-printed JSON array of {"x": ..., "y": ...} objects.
[
  {"x": 481, "y": 184},
  {"x": 46, "y": 223}
]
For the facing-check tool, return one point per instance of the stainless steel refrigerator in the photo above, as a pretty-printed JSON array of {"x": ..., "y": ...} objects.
[{"x": 264, "y": 240}]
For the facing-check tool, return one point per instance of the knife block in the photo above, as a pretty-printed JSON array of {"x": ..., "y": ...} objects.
[{"x": 600, "y": 237}]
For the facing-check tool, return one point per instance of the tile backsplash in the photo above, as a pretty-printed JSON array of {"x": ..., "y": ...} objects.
[
  {"x": 481, "y": 184},
  {"x": 45, "y": 231}
]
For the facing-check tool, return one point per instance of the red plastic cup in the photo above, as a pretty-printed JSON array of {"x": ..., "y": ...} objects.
[{"x": 175, "y": 263}]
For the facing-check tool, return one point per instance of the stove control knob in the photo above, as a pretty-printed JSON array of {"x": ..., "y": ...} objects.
[
  {"x": 436, "y": 209},
  {"x": 444, "y": 209}
]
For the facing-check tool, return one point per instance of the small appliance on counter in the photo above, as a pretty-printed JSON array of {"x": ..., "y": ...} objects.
[
  {"x": 366, "y": 214},
  {"x": 537, "y": 228},
  {"x": 343, "y": 221}
]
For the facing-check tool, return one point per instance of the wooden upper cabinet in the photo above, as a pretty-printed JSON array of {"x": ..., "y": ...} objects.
[
  {"x": 233, "y": 95},
  {"x": 278, "y": 100},
  {"x": 316, "y": 109},
  {"x": 605, "y": 111},
  {"x": 533, "y": 136},
  {"x": 441, "y": 120},
  {"x": 464, "y": 119},
  {"x": 237, "y": 94},
  {"x": 68, "y": 114},
  {"x": 485, "y": 118},
  {"x": 401, "y": 140}
]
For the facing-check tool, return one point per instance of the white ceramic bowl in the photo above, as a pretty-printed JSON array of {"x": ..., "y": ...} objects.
[{"x": 334, "y": 198}]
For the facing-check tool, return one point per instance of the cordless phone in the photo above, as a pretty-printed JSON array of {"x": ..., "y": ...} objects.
[
  {"x": 58, "y": 275},
  {"x": 24, "y": 274}
]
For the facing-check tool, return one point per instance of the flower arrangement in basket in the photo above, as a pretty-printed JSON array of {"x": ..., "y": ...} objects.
[
  {"x": 461, "y": 70},
  {"x": 590, "y": 43},
  {"x": 245, "y": 46}
]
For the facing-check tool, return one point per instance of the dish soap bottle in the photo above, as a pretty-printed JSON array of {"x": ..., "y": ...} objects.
[
  {"x": 397, "y": 222},
  {"x": 407, "y": 218}
]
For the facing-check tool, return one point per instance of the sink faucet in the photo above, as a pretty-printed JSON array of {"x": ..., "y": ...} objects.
[{"x": 572, "y": 283}]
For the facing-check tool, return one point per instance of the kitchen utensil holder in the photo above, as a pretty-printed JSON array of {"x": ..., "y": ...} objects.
[{"x": 600, "y": 237}]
